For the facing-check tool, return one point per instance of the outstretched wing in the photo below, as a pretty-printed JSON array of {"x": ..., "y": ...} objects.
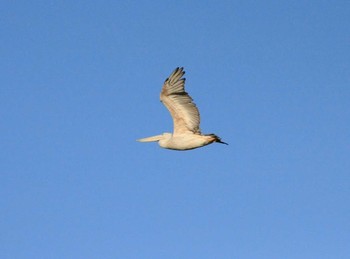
[{"x": 180, "y": 105}]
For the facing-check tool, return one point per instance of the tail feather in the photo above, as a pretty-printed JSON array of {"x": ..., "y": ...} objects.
[{"x": 217, "y": 139}]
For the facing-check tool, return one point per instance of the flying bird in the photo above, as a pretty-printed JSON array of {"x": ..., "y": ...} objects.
[{"x": 187, "y": 134}]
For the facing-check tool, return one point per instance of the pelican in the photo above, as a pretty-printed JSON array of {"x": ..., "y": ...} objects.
[{"x": 185, "y": 114}]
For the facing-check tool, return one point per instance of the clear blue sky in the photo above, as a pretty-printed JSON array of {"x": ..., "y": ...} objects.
[{"x": 80, "y": 82}]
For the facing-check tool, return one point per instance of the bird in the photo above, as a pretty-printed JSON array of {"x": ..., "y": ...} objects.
[{"x": 186, "y": 119}]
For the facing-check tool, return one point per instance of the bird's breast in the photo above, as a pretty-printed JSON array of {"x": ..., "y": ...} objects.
[{"x": 186, "y": 141}]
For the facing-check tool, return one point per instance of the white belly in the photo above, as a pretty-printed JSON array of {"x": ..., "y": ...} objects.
[{"x": 186, "y": 142}]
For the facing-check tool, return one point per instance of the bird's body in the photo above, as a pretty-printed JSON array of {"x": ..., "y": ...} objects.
[{"x": 187, "y": 134}]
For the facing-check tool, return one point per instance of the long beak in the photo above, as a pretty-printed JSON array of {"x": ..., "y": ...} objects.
[{"x": 151, "y": 139}]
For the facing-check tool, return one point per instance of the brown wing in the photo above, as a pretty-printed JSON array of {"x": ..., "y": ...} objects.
[{"x": 180, "y": 105}]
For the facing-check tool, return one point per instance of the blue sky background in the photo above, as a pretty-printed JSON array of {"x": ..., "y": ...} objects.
[{"x": 80, "y": 81}]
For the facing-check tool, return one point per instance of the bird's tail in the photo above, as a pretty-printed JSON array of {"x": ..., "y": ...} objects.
[{"x": 216, "y": 138}]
